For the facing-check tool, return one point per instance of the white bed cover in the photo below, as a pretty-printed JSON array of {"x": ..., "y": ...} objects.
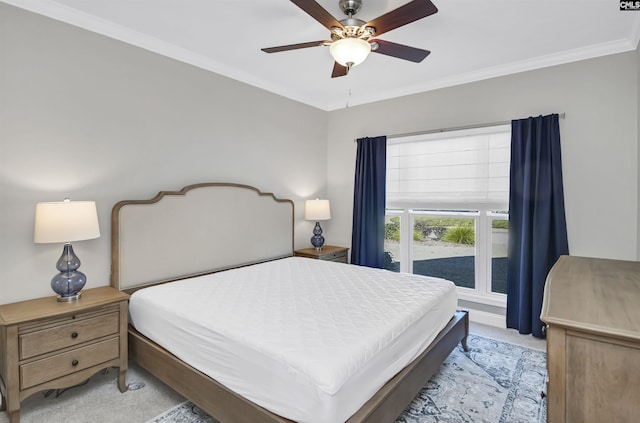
[{"x": 308, "y": 340}]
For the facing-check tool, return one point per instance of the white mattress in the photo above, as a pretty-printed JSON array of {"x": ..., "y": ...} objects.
[{"x": 309, "y": 340}]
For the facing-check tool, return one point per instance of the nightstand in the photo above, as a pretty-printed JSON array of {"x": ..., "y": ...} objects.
[
  {"x": 46, "y": 344},
  {"x": 328, "y": 253}
]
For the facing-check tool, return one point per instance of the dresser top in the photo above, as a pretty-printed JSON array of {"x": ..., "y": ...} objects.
[
  {"x": 596, "y": 295},
  {"x": 48, "y": 307},
  {"x": 326, "y": 249}
]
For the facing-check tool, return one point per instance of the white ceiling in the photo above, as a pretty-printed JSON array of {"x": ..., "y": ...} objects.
[{"x": 469, "y": 40}]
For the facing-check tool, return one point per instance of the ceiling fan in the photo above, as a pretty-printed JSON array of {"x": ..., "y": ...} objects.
[{"x": 353, "y": 39}]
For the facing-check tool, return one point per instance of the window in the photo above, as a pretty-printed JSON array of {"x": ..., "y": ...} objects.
[{"x": 447, "y": 209}]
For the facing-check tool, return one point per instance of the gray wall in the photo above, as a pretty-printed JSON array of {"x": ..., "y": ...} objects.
[
  {"x": 92, "y": 118},
  {"x": 599, "y": 139}
]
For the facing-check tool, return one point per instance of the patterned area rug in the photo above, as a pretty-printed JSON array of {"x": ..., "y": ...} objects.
[{"x": 493, "y": 382}]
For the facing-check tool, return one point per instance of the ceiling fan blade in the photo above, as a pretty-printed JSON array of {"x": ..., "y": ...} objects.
[
  {"x": 401, "y": 51},
  {"x": 339, "y": 70},
  {"x": 294, "y": 46},
  {"x": 318, "y": 13},
  {"x": 410, "y": 12}
]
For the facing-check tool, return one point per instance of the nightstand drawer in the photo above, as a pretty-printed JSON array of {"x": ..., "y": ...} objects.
[
  {"x": 327, "y": 253},
  {"x": 51, "y": 368},
  {"x": 75, "y": 332},
  {"x": 340, "y": 257}
]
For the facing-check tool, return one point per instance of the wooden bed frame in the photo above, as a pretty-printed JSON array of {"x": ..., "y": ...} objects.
[{"x": 177, "y": 234}]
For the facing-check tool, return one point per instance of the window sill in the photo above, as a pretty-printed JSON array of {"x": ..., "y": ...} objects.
[{"x": 495, "y": 300}]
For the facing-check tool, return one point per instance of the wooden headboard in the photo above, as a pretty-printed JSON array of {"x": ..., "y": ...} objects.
[{"x": 200, "y": 229}]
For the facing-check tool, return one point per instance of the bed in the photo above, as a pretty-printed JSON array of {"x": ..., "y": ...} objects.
[{"x": 238, "y": 331}]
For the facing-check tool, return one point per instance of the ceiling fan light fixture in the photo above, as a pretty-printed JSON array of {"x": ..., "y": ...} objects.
[{"x": 350, "y": 52}]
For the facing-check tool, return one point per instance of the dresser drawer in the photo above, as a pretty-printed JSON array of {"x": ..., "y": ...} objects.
[
  {"x": 59, "y": 365},
  {"x": 340, "y": 257},
  {"x": 65, "y": 335},
  {"x": 328, "y": 253}
]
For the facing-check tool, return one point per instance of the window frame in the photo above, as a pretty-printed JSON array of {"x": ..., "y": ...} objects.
[
  {"x": 482, "y": 292},
  {"x": 483, "y": 215}
]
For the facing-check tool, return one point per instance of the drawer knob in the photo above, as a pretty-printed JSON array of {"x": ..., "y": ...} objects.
[
  {"x": 74, "y": 363},
  {"x": 74, "y": 335}
]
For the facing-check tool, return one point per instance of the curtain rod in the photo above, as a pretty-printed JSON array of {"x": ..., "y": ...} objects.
[{"x": 456, "y": 128}]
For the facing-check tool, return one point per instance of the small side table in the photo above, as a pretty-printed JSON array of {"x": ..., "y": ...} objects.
[
  {"x": 46, "y": 344},
  {"x": 328, "y": 253}
]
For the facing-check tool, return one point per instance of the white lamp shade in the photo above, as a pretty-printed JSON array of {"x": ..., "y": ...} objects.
[
  {"x": 350, "y": 51},
  {"x": 317, "y": 210},
  {"x": 66, "y": 221}
]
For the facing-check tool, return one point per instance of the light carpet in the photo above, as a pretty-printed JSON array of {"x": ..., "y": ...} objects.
[{"x": 494, "y": 382}]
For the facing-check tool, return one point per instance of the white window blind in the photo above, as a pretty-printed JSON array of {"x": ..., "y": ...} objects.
[{"x": 467, "y": 169}]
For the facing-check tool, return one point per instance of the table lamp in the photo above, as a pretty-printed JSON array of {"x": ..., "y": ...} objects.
[
  {"x": 66, "y": 221},
  {"x": 317, "y": 210}
]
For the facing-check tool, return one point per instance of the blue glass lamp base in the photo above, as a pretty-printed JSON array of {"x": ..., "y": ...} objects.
[
  {"x": 317, "y": 240},
  {"x": 68, "y": 283}
]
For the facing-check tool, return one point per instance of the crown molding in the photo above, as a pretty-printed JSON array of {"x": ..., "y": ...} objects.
[
  {"x": 92, "y": 23},
  {"x": 561, "y": 58}
]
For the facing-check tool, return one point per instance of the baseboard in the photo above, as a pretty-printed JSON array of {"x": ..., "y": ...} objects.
[{"x": 485, "y": 318}]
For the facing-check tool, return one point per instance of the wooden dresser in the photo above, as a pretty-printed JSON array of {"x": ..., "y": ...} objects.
[
  {"x": 46, "y": 344},
  {"x": 328, "y": 253},
  {"x": 592, "y": 311}
]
